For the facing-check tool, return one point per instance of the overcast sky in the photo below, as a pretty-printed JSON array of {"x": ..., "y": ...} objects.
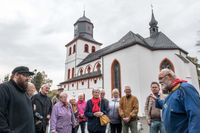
[{"x": 34, "y": 32}]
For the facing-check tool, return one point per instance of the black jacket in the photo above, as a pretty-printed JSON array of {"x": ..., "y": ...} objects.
[
  {"x": 15, "y": 109},
  {"x": 93, "y": 121},
  {"x": 43, "y": 107}
]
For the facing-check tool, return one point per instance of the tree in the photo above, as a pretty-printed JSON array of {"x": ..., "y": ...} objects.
[
  {"x": 39, "y": 79},
  {"x": 6, "y": 78}
]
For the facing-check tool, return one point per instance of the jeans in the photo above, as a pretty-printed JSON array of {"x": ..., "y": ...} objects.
[
  {"x": 157, "y": 127},
  {"x": 131, "y": 124},
  {"x": 116, "y": 128}
]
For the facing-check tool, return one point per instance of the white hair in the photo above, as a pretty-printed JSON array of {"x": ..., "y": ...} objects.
[
  {"x": 167, "y": 71},
  {"x": 115, "y": 90},
  {"x": 63, "y": 94}
]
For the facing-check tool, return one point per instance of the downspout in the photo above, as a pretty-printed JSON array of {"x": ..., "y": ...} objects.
[{"x": 102, "y": 72}]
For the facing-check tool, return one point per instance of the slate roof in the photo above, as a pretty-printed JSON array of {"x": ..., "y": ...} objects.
[
  {"x": 128, "y": 40},
  {"x": 85, "y": 76},
  {"x": 158, "y": 42},
  {"x": 83, "y": 19},
  {"x": 162, "y": 42},
  {"x": 88, "y": 38}
]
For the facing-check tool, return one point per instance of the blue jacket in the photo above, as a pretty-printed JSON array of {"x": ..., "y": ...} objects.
[
  {"x": 113, "y": 111},
  {"x": 181, "y": 110}
]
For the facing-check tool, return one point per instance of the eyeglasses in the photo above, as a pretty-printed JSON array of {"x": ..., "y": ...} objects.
[{"x": 160, "y": 78}]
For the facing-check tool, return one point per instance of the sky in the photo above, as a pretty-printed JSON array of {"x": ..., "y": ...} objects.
[{"x": 34, "y": 32}]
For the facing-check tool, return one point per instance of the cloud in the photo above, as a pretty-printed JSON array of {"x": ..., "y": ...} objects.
[{"x": 34, "y": 33}]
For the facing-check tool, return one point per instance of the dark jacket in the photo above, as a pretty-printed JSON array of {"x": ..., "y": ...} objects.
[
  {"x": 93, "y": 121},
  {"x": 15, "y": 109},
  {"x": 43, "y": 107}
]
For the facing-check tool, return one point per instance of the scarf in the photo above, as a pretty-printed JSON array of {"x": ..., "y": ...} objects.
[
  {"x": 176, "y": 83},
  {"x": 95, "y": 102},
  {"x": 81, "y": 106}
]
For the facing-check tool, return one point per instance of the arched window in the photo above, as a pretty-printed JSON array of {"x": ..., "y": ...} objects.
[
  {"x": 68, "y": 74},
  {"x": 81, "y": 72},
  {"x": 70, "y": 51},
  {"x": 116, "y": 76},
  {"x": 86, "y": 48},
  {"x": 98, "y": 67},
  {"x": 74, "y": 48},
  {"x": 72, "y": 72},
  {"x": 93, "y": 49},
  {"x": 88, "y": 69},
  {"x": 166, "y": 63}
]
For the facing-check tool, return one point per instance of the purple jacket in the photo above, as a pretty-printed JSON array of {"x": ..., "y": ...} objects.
[{"x": 62, "y": 118}]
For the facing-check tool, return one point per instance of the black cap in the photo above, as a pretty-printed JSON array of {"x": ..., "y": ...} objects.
[{"x": 22, "y": 69}]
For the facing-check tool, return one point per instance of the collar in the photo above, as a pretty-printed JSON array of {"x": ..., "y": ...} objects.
[{"x": 17, "y": 86}]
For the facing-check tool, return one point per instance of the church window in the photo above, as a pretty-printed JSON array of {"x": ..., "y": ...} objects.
[
  {"x": 82, "y": 83},
  {"x": 86, "y": 48},
  {"x": 72, "y": 85},
  {"x": 74, "y": 48},
  {"x": 89, "y": 69},
  {"x": 166, "y": 63},
  {"x": 68, "y": 73},
  {"x": 81, "y": 72},
  {"x": 70, "y": 51},
  {"x": 98, "y": 67},
  {"x": 72, "y": 72},
  {"x": 95, "y": 81},
  {"x": 116, "y": 76},
  {"x": 93, "y": 49}
]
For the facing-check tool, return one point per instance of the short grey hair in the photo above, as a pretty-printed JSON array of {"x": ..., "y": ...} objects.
[
  {"x": 63, "y": 94},
  {"x": 115, "y": 90},
  {"x": 167, "y": 71},
  {"x": 95, "y": 89}
]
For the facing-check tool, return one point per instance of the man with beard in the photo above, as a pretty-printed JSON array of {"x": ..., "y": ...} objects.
[
  {"x": 42, "y": 107},
  {"x": 181, "y": 108},
  {"x": 128, "y": 110},
  {"x": 15, "y": 107}
]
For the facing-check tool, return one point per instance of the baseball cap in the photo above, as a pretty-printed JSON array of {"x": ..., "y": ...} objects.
[{"x": 22, "y": 70}]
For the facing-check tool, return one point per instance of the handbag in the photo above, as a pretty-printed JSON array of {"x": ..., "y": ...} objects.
[{"x": 104, "y": 120}]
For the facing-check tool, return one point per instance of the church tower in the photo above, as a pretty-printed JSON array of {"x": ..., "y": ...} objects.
[
  {"x": 153, "y": 26},
  {"x": 80, "y": 47}
]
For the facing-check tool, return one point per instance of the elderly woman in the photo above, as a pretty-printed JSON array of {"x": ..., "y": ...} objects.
[
  {"x": 115, "y": 119},
  {"x": 75, "y": 111},
  {"x": 81, "y": 104},
  {"x": 62, "y": 117},
  {"x": 95, "y": 108}
]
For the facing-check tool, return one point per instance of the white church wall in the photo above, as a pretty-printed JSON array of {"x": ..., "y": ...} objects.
[
  {"x": 131, "y": 69},
  {"x": 80, "y": 49}
]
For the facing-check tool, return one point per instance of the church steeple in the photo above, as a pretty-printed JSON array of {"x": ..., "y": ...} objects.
[
  {"x": 83, "y": 27},
  {"x": 153, "y": 25}
]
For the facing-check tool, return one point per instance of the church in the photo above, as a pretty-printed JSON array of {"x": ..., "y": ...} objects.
[{"x": 132, "y": 60}]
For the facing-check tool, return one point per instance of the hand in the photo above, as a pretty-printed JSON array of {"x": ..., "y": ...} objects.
[
  {"x": 53, "y": 131},
  {"x": 48, "y": 116},
  {"x": 98, "y": 114},
  {"x": 149, "y": 122},
  {"x": 126, "y": 119}
]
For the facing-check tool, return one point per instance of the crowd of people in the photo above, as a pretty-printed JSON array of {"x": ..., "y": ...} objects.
[{"x": 23, "y": 110}]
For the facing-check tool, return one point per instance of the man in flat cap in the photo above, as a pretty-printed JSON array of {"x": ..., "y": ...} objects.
[{"x": 16, "y": 114}]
